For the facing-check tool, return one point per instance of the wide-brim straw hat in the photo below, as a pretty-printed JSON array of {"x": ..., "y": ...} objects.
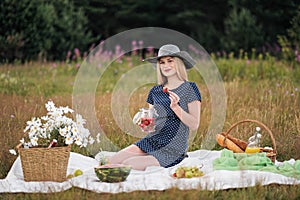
[{"x": 173, "y": 51}]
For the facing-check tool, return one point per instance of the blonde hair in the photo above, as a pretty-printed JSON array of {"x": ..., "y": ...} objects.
[{"x": 180, "y": 70}]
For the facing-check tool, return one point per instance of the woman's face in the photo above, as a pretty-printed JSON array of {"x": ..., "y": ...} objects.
[{"x": 167, "y": 66}]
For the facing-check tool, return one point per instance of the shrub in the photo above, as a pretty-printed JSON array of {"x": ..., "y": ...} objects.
[
  {"x": 290, "y": 44},
  {"x": 32, "y": 29},
  {"x": 242, "y": 31}
]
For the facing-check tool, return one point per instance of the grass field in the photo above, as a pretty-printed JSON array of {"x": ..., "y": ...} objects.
[{"x": 263, "y": 89}]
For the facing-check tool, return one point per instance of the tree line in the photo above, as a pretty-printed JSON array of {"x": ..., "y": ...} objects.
[{"x": 46, "y": 29}]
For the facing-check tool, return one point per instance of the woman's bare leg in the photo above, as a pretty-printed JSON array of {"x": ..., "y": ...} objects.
[
  {"x": 124, "y": 154},
  {"x": 141, "y": 162}
]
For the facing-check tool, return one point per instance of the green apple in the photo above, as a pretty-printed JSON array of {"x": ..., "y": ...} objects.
[
  {"x": 78, "y": 172},
  {"x": 188, "y": 174},
  {"x": 70, "y": 176}
]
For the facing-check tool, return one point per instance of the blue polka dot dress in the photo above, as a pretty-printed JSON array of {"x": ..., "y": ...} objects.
[{"x": 169, "y": 143}]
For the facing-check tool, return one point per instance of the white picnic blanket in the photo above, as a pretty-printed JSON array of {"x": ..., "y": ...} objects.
[{"x": 153, "y": 178}]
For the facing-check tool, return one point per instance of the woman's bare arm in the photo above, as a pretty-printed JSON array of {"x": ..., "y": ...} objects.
[{"x": 191, "y": 118}]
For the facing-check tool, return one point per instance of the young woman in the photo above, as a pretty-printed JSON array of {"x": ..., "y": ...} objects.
[{"x": 177, "y": 103}]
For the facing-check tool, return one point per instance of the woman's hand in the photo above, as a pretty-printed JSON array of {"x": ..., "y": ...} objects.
[{"x": 174, "y": 99}]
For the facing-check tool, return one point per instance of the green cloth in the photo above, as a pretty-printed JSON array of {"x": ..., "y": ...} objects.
[
  {"x": 286, "y": 169},
  {"x": 255, "y": 162},
  {"x": 258, "y": 161}
]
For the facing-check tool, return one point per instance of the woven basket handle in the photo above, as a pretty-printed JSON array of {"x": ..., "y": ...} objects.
[{"x": 257, "y": 122}]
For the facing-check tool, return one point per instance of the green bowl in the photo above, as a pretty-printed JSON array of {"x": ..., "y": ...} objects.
[{"x": 112, "y": 173}]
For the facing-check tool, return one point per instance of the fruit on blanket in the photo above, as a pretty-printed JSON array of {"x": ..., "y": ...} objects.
[
  {"x": 112, "y": 173},
  {"x": 165, "y": 90},
  {"x": 227, "y": 143},
  {"x": 187, "y": 172},
  {"x": 180, "y": 172},
  {"x": 70, "y": 176},
  {"x": 78, "y": 172}
]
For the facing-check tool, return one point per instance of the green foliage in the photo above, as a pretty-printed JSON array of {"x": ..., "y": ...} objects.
[
  {"x": 51, "y": 78},
  {"x": 202, "y": 20},
  {"x": 274, "y": 17},
  {"x": 294, "y": 30},
  {"x": 24, "y": 26},
  {"x": 71, "y": 31},
  {"x": 290, "y": 44},
  {"x": 45, "y": 29},
  {"x": 245, "y": 68},
  {"x": 37, "y": 79},
  {"x": 32, "y": 29},
  {"x": 208, "y": 36},
  {"x": 242, "y": 31},
  {"x": 191, "y": 17},
  {"x": 10, "y": 84},
  {"x": 287, "y": 50}
]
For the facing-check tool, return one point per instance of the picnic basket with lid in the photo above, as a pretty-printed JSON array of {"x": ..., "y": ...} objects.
[{"x": 227, "y": 140}]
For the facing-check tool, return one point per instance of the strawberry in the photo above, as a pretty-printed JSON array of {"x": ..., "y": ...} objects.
[
  {"x": 165, "y": 90},
  {"x": 146, "y": 122},
  {"x": 174, "y": 174}
]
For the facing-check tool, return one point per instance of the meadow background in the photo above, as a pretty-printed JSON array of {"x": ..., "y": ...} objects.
[{"x": 261, "y": 88}]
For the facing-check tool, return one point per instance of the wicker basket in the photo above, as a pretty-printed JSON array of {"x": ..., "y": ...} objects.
[
  {"x": 45, "y": 164},
  {"x": 271, "y": 154}
]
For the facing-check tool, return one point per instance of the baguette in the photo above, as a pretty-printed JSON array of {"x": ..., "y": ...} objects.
[
  {"x": 242, "y": 144},
  {"x": 227, "y": 143}
]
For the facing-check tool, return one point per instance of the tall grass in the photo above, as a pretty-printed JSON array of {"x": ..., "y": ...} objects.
[
  {"x": 266, "y": 90},
  {"x": 251, "y": 193}
]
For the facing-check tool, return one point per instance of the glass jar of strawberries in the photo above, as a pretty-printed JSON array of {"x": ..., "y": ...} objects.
[{"x": 145, "y": 119}]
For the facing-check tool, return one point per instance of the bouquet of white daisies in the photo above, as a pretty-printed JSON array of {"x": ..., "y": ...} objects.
[{"x": 56, "y": 126}]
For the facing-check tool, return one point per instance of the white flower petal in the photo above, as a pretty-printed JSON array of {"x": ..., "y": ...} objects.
[
  {"x": 91, "y": 140},
  {"x": 98, "y": 138},
  {"x": 22, "y": 140},
  {"x": 12, "y": 151}
]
